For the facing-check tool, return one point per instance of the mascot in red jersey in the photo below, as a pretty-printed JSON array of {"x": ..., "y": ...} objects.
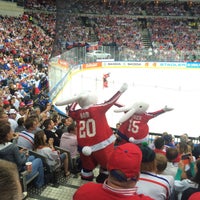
[
  {"x": 134, "y": 123},
  {"x": 95, "y": 137}
]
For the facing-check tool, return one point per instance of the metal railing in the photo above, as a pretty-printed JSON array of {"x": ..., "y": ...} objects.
[{"x": 78, "y": 55}]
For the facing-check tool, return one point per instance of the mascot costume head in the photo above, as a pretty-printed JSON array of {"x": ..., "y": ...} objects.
[
  {"x": 94, "y": 135},
  {"x": 134, "y": 123}
]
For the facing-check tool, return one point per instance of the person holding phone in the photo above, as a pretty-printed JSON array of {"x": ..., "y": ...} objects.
[
  {"x": 186, "y": 156},
  {"x": 182, "y": 180}
]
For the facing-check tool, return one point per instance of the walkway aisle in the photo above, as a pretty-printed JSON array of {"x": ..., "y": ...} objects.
[{"x": 63, "y": 190}]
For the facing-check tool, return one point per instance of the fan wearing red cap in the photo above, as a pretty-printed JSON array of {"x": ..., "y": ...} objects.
[
  {"x": 195, "y": 196},
  {"x": 124, "y": 171}
]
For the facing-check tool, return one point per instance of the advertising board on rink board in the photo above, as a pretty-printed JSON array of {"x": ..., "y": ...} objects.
[
  {"x": 175, "y": 65},
  {"x": 144, "y": 64},
  {"x": 113, "y": 64},
  {"x": 92, "y": 65}
]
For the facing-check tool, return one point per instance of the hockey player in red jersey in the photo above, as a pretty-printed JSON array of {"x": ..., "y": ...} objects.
[
  {"x": 134, "y": 123},
  {"x": 95, "y": 137},
  {"x": 105, "y": 80}
]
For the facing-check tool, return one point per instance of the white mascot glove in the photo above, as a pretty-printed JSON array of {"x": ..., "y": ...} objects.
[
  {"x": 167, "y": 109},
  {"x": 123, "y": 87}
]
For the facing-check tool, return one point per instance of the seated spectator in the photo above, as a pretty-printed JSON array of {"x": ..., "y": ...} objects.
[
  {"x": 118, "y": 138},
  {"x": 9, "y": 177},
  {"x": 56, "y": 120},
  {"x": 193, "y": 183},
  {"x": 195, "y": 196},
  {"x": 196, "y": 150},
  {"x": 23, "y": 112},
  {"x": 184, "y": 150},
  {"x": 122, "y": 178},
  {"x": 54, "y": 158},
  {"x": 12, "y": 114},
  {"x": 4, "y": 115},
  {"x": 11, "y": 152},
  {"x": 184, "y": 138},
  {"x": 168, "y": 140},
  {"x": 37, "y": 120},
  {"x": 161, "y": 163},
  {"x": 159, "y": 144},
  {"x": 26, "y": 137},
  {"x": 20, "y": 126},
  {"x": 190, "y": 144},
  {"x": 171, "y": 155},
  {"x": 65, "y": 123},
  {"x": 159, "y": 187},
  {"x": 69, "y": 140},
  {"x": 48, "y": 127}
]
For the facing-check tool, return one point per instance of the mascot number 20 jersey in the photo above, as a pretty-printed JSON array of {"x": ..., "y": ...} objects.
[{"x": 92, "y": 122}]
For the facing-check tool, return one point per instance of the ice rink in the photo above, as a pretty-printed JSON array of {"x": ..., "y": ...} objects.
[{"x": 176, "y": 88}]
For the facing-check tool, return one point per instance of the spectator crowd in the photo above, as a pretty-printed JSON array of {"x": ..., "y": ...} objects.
[{"x": 28, "y": 120}]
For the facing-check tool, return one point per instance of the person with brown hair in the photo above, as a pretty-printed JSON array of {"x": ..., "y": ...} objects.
[
  {"x": 69, "y": 140},
  {"x": 54, "y": 158},
  {"x": 171, "y": 155},
  {"x": 26, "y": 137},
  {"x": 48, "y": 125},
  {"x": 10, "y": 187},
  {"x": 10, "y": 152},
  {"x": 159, "y": 144},
  {"x": 161, "y": 163}
]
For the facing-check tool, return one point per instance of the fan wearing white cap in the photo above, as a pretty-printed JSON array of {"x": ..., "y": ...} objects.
[{"x": 12, "y": 118}]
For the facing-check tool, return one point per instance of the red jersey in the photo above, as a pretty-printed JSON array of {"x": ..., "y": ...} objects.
[
  {"x": 92, "y": 125},
  {"x": 160, "y": 151},
  {"x": 91, "y": 191},
  {"x": 137, "y": 125}
]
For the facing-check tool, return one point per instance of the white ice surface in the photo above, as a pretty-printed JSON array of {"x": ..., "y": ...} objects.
[{"x": 179, "y": 89}]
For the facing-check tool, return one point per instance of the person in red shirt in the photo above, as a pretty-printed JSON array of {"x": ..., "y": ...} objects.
[
  {"x": 159, "y": 144},
  {"x": 124, "y": 171}
]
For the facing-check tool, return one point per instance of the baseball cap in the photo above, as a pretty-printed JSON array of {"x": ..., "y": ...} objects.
[
  {"x": 12, "y": 111},
  {"x": 195, "y": 196},
  {"x": 30, "y": 103},
  {"x": 127, "y": 159},
  {"x": 6, "y": 102},
  {"x": 21, "y": 104}
]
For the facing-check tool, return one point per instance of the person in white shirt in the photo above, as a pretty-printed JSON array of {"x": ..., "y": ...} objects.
[
  {"x": 157, "y": 186},
  {"x": 181, "y": 184},
  {"x": 69, "y": 140},
  {"x": 26, "y": 137},
  {"x": 171, "y": 154}
]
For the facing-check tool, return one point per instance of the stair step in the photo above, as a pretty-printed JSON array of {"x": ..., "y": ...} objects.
[
  {"x": 60, "y": 193},
  {"x": 37, "y": 197}
]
